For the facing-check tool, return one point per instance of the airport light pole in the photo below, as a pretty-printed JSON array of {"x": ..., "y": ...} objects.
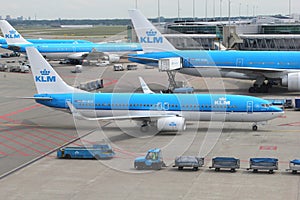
[
  {"x": 229, "y": 4},
  {"x": 247, "y": 10},
  {"x": 220, "y": 10},
  {"x": 158, "y": 12},
  {"x": 136, "y": 4},
  {"x": 290, "y": 8},
  {"x": 178, "y": 10},
  {"x": 206, "y": 10},
  {"x": 240, "y": 5},
  {"x": 214, "y": 9},
  {"x": 194, "y": 12}
]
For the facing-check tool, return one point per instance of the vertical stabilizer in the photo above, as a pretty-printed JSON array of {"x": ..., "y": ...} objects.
[
  {"x": 149, "y": 37},
  {"x": 11, "y": 35},
  {"x": 46, "y": 80}
]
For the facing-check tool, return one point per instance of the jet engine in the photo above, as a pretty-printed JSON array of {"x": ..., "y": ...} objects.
[
  {"x": 292, "y": 81},
  {"x": 171, "y": 124},
  {"x": 113, "y": 58}
]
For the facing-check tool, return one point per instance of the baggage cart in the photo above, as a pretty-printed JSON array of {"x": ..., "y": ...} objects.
[
  {"x": 225, "y": 163},
  {"x": 269, "y": 164},
  {"x": 294, "y": 166},
  {"x": 188, "y": 161}
]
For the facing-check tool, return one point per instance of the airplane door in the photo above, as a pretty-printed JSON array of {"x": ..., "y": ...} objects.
[
  {"x": 166, "y": 106},
  {"x": 249, "y": 107},
  {"x": 239, "y": 62}
]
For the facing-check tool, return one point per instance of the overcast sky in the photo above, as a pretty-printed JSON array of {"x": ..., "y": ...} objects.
[{"x": 100, "y": 9}]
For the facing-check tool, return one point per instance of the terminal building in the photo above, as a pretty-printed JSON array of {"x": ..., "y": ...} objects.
[{"x": 261, "y": 33}]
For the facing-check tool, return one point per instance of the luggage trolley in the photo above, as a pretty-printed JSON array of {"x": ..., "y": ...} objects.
[
  {"x": 188, "y": 161},
  {"x": 226, "y": 163},
  {"x": 269, "y": 164},
  {"x": 294, "y": 166}
]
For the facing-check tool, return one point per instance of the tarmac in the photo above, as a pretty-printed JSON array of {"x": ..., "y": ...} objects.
[{"x": 29, "y": 131}]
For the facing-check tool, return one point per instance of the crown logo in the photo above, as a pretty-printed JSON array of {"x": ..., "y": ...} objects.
[
  {"x": 44, "y": 72},
  {"x": 151, "y": 33},
  {"x": 222, "y": 99},
  {"x": 12, "y": 32}
]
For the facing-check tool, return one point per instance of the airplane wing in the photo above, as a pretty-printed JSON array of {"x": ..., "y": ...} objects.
[
  {"x": 142, "y": 58},
  {"x": 250, "y": 69},
  {"x": 78, "y": 115}
]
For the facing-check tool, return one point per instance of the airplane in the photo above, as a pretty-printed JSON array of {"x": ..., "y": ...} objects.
[
  {"x": 65, "y": 50},
  {"x": 41, "y": 41},
  {"x": 165, "y": 112},
  {"x": 4, "y": 45},
  {"x": 267, "y": 68}
]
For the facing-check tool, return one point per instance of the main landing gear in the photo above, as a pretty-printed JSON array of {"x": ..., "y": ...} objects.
[{"x": 263, "y": 88}]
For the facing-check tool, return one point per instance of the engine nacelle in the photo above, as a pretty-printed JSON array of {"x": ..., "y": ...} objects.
[
  {"x": 292, "y": 81},
  {"x": 171, "y": 124}
]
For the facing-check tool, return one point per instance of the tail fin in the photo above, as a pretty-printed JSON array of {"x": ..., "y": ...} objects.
[
  {"x": 149, "y": 37},
  {"x": 11, "y": 35},
  {"x": 46, "y": 80}
]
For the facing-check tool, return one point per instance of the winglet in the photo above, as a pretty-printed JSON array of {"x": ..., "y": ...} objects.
[
  {"x": 145, "y": 87},
  {"x": 149, "y": 37},
  {"x": 10, "y": 34}
]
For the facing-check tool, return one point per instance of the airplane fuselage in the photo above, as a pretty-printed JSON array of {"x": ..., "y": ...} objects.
[
  {"x": 220, "y": 63},
  {"x": 69, "y": 50},
  {"x": 198, "y": 107}
]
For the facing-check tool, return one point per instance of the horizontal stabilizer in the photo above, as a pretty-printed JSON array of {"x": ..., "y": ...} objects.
[{"x": 37, "y": 98}]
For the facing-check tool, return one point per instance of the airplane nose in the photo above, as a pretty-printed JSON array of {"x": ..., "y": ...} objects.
[{"x": 277, "y": 111}]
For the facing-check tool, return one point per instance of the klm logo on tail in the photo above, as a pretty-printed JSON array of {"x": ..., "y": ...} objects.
[
  {"x": 45, "y": 77},
  {"x": 151, "y": 37},
  {"x": 12, "y": 35}
]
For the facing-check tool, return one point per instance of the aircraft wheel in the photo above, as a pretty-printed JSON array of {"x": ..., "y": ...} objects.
[
  {"x": 252, "y": 90},
  {"x": 254, "y": 128},
  {"x": 264, "y": 88}
]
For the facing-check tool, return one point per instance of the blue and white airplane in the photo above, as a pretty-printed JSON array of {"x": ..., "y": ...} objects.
[
  {"x": 273, "y": 67},
  {"x": 4, "y": 44},
  {"x": 65, "y": 50},
  {"x": 167, "y": 112}
]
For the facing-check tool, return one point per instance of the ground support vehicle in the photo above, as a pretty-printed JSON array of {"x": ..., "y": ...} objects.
[
  {"x": 269, "y": 164},
  {"x": 225, "y": 163},
  {"x": 297, "y": 103},
  {"x": 188, "y": 161},
  {"x": 131, "y": 67},
  {"x": 118, "y": 67},
  {"x": 294, "y": 166},
  {"x": 98, "y": 151},
  {"x": 153, "y": 160}
]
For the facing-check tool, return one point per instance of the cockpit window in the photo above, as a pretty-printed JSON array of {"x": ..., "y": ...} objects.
[{"x": 266, "y": 105}]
